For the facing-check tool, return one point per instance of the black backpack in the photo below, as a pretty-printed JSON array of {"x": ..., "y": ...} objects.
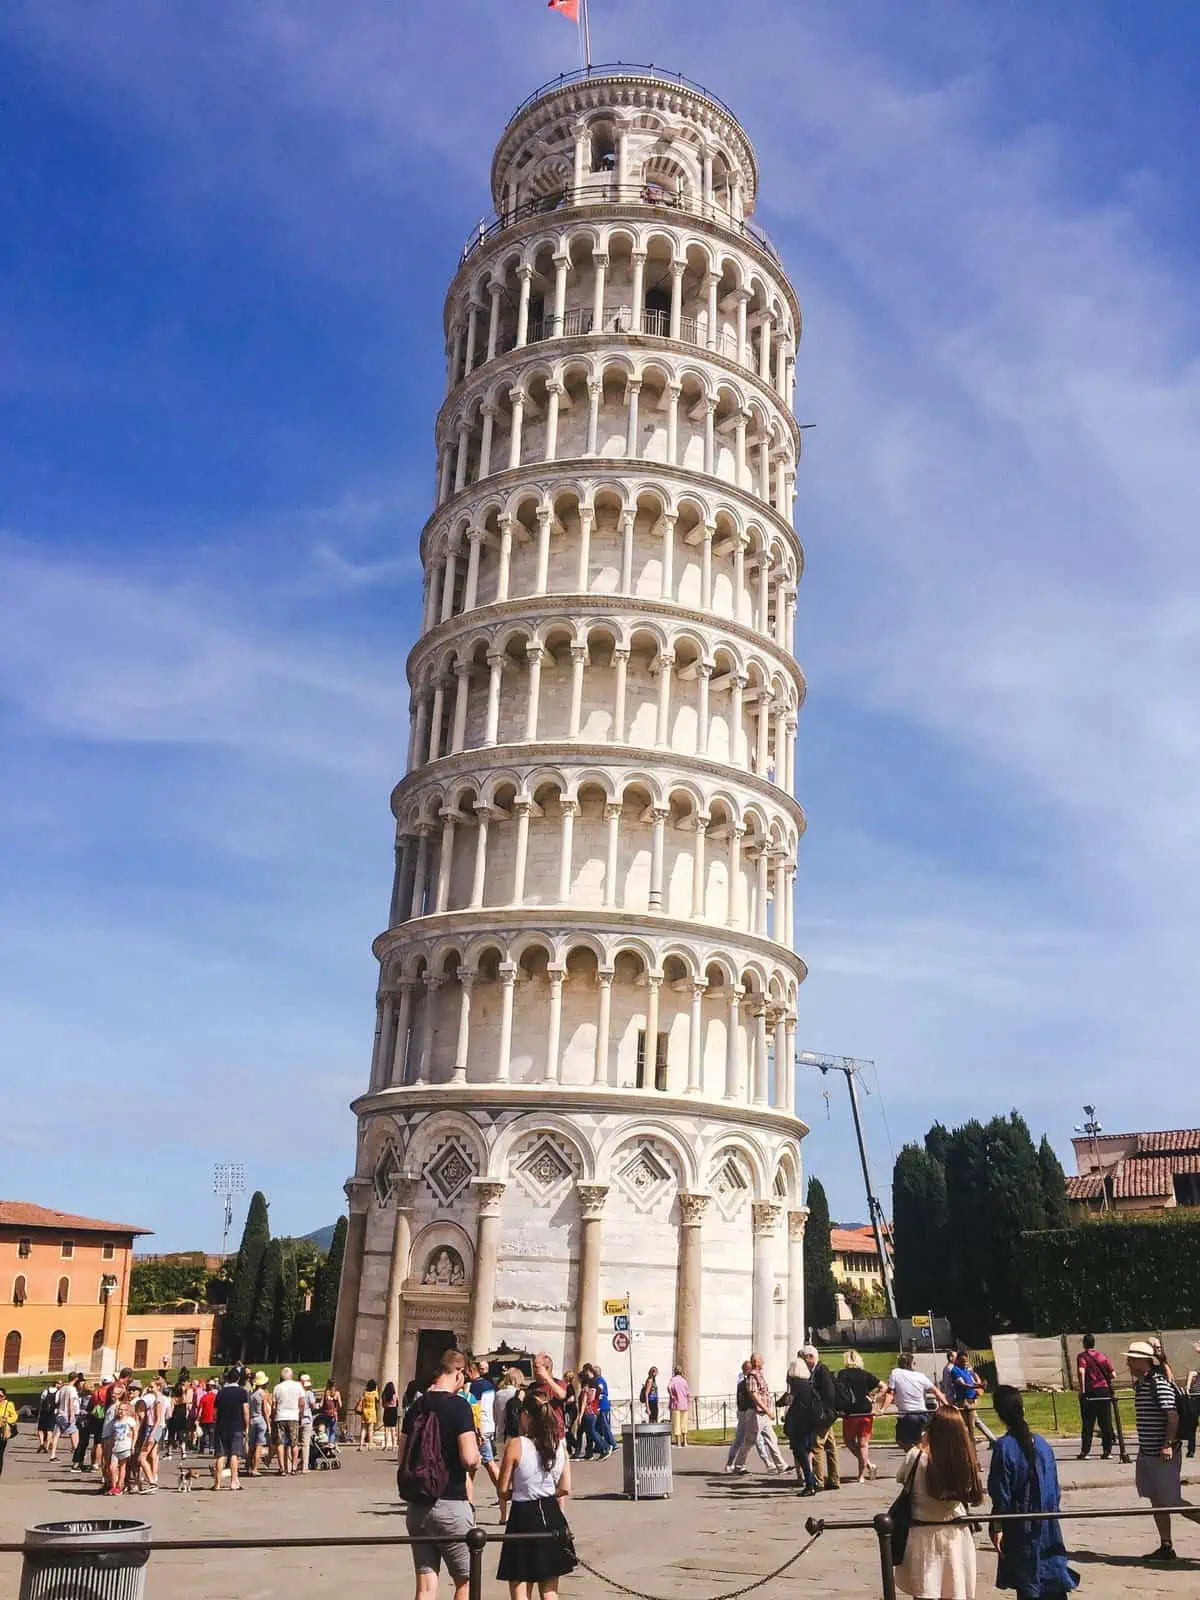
[
  {"x": 1188, "y": 1407},
  {"x": 421, "y": 1476}
]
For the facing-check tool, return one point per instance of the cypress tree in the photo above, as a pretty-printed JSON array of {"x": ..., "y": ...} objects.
[
  {"x": 325, "y": 1295},
  {"x": 287, "y": 1305},
  {"x": 1013, "y": 1205},
  {"x": 964, "y": 1265},
  {"x": 918, "y": 1229},
  {"x": 1054, "y": 1187},
  {"x": 819, "y": 1291},
  {"x": 260, "y": 1343},
  {"x": 247, "y": 1270}
]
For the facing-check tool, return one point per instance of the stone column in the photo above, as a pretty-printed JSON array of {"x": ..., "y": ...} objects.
[
  {"x": 358, "y": 1192},
  {"x": 541, "y": 580},
  {"x": 742, "y": 298},
  {"x": 627, "y": 518},
  {"x": 433, "y": 982},
  {"x": 521, "y": 854},
  {"x": 475, "y": 538},
  {"x": 612, "y": 816},
  {"x": 435, "y": 719},
  {"x": 587, "y": 1315},
  {"x": 525, "y": 275},
  {"x": 711, "y": 280},
  {"x": 689, "y": 1321},
  {"x": 504, "y": 565},
  {"x": 579, "y": 660},
  {"x": 779, "y": 1100},
  {"x": 393, "y": 1309},
  {"x": 789, "y": 1058},
  {"x": 765, "y": 1215},
  {"x": 634, "y": 389},
  {"x": 678, "y": 268},
  {"x": 445, "y": 859},
  {"x": 483, "y": 817},
  {"x": 508, "y": 980},
  {"x": 674, "y": 390},
  {"x": 495, "y": 290},
  {"x": 569, "y": 811},
  {"x": 462, "y": 1045},
  {"x": 492, "y": 728},
  {"x": 704, "y": 677},
  {"x": 699, "y": 885},
  {"x": 599, "y": 267},
  {"x": 556, "y": 976},
  {"x": 600, "y": 1067},
  {"x": 650, "y": 1065},
  {"x": 517, "y": 396},
  {"x": 488, "y": 412},
  {"x": 638, "y": 258},
  {"x": 593, "y": 424},
  {"x": 585, "y": 543},
  {"x": 737, "y": 732},
  {"x": 562, "y": 265},
  {"x": 732, "y": 1029},
  {"x": 448, "y": 582},
  {"x": 581, "y": 139},
  {"x": 657, "y": 852},
  {"x": 668, "y": 557},
  {"x": 377, "y": 1047},
  {"x": 797, "y": 1332},
  {"x": 706, "y": 556},
  {"x": 666, "y": 664},
  {"x": 533, "y": 655},
  {"x": 421, "y": 873},
  {"x": 620, "y": 668},
  {"x": 488, "y": 1194},
  {"x": 460, "y": 462},
  {"x": 696, "y": 1037},
  {"x": 739, "y": 449},
  {"x": 403, "y": 1022},
  {"x": 473, "y": 309},
  {"x": 760, "y": 1054},
  {"x": 736, "y": 897}
]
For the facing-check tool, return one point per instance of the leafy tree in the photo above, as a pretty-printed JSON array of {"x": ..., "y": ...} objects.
[
  {"x": 918, "y": 1229},
  {"x": 164, "y": 1283},
  {"x": 818, "y": 1259},
  {"x": 1054, "y": 1187},
  {"x": 247, "y": 1273},
  {"x": 325, "y": 1296}
]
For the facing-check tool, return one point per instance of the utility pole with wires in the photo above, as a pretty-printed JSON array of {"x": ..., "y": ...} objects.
[{"x": 851, "y": 1067}]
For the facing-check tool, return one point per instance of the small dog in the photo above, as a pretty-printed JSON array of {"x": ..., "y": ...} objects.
[{"x": 186, "y": 1474}]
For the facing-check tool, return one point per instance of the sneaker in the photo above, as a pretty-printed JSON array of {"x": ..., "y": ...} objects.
[{"x": 1164, "y": 1554}]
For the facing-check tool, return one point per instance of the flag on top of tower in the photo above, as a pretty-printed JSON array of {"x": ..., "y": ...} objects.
[{"x": 569, "y": 8}]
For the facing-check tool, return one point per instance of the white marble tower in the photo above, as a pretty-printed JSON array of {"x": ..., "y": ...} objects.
[{"x": 582, "y": 1078}]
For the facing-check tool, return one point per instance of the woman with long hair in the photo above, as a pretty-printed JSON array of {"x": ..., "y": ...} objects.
[
  {"x": 1024, "y": 1478},
  {"x": 942, "y": 1479},
  {"x": 390, "y": 1402},
  {"x": 535, "y": 1478}
]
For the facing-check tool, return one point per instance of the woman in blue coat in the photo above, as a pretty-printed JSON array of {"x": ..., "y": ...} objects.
[{"x": 1024, "y": 1478}]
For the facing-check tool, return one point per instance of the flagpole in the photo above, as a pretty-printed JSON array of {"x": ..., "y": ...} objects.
[{"x": 587, "y": 36}]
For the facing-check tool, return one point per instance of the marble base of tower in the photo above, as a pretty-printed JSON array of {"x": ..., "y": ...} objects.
[{"x": 501, "y": 1223}]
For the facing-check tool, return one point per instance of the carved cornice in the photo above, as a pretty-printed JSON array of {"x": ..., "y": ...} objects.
[
  {"x": 797, "y": 1222},
  {"x": 764, "y": 1216},
  {"x": 591, "y": 1199},
  {"x": 693, "y": 1208},
  {"x": 488, "y": 1192}
]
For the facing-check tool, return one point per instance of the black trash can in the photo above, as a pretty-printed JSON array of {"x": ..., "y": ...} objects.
[{"x": 55, "y": 1568}]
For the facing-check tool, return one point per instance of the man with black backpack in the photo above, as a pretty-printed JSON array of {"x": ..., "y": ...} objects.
[{"x": 438, "y": 1452}]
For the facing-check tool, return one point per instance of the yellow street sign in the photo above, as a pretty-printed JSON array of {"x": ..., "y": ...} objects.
[
  {"x": 617, "y": 1308},
  {"x": 920, "y": 1322}
]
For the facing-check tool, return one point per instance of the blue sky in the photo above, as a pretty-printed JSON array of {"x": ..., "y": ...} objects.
[{"x": 224, "y": 242}]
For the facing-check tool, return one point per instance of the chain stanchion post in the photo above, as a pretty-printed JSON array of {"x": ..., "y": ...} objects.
[
  {"x": 1121, "y": 1445},
  {"x": 887, "y": 1573},
  {"x": 1054, "y": 1408},
  {"x": 476, "y": 1544}
]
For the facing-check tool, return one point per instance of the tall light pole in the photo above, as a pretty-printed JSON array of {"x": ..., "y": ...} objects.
[
  {"x": 850, "y": 1067},
  {"x": 1093, "y": 1129},
  {"x": 229, "y": 1178}
]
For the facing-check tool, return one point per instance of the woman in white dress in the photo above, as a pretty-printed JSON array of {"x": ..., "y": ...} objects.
[{"x": 939, "y": 1562}]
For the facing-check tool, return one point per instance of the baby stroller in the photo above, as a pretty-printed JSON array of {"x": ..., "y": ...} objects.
[{"x": 323, "y": 1453}]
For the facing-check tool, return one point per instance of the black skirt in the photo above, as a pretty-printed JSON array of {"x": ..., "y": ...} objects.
[
  {"x": 536, "y": 1560},
  {"x": 391, "y": 1415}
]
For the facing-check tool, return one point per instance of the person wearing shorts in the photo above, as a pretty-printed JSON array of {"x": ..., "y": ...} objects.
[
  {"x": 258, "y": 1440},
  {"x": 286, "y": 1401},
  {"x": 308, "y": 1411},
  {"x": 856, "y": 1391},
  {"x": 230, "y": 1428},
  {"x": 66, "y": 1416},
  {"x": 452, "y": 1514}
]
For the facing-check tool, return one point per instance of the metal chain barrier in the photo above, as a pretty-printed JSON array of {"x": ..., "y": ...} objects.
[{"x": 729, "y": 1594}]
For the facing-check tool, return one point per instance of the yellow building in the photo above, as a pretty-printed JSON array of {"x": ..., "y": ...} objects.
[{"x": 65, "y": 1282}]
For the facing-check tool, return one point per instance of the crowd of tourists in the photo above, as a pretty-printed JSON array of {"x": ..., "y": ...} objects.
[{"x": 124, "y": 1430}]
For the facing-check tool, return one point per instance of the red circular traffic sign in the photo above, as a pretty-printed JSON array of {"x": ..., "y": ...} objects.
[{"x": 620, "y": 1343}]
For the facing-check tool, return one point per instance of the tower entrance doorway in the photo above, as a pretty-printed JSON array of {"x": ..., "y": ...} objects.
[{"x": 432, "y": 1344}]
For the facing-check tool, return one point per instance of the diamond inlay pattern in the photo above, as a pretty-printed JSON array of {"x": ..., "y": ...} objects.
[{"x": 449, "y": 1171}]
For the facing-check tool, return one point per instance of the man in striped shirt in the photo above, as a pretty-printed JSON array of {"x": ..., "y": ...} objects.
[{"x": 1159, "y": 1457}]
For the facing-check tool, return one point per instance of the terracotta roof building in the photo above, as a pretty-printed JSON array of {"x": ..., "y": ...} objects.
[
  {"x": 855, "y": 1256},
  {"x": 1137, "y": 1172}
]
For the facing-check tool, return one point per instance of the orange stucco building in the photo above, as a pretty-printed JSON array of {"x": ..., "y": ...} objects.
[{"x": 65, "y": 1283}]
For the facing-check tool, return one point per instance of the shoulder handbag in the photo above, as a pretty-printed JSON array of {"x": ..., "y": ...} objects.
[{"x": 900, "y": 1513}]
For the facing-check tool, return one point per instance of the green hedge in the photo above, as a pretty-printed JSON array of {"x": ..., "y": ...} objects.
[{"x": 1113, "y": 1273}]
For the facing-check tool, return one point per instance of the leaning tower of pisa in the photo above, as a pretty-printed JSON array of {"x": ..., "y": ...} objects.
[{"x": 582, "y": 1079}]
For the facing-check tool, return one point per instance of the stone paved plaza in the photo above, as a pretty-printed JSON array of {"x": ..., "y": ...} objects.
[{"x": 712, "y": 1536}]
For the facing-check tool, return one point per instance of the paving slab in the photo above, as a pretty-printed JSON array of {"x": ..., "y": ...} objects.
[{"x": 715, "y": 1533}]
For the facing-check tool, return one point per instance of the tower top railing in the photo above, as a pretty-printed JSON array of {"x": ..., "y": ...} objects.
[
  {"x": 629, "y": 194},
  {"x": 618, "y": 69}
]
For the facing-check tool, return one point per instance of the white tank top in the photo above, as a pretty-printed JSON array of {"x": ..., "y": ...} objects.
[{"x": 530, "y": 1480}]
